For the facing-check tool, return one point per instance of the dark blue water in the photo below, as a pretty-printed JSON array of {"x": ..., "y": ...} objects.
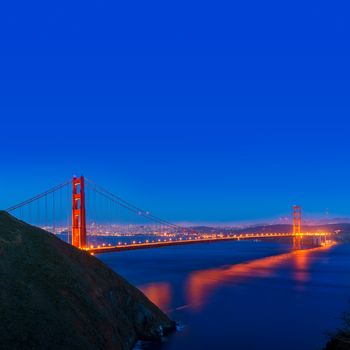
[{"x": 243, "y": 295}]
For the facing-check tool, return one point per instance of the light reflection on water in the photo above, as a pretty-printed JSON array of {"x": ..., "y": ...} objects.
[
  {"x": 200, "y": 284},
  {"x": 159, "y": 293},
  {"x": 241, "y": 295}
]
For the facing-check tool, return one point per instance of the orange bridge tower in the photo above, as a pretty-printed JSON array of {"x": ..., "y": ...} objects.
[
  {"x": 78, "y": 213},
  {"x": 297, "y": 235}
]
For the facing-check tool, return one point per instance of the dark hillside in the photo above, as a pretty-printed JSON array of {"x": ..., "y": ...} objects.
[
  {"x": 54, "y": 296},
  {"x": 341, "y": 339}
]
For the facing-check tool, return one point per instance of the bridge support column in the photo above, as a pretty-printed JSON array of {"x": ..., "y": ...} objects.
[
  {"x": 297, "y": 236},
  {"x": 78, "y": 213}
]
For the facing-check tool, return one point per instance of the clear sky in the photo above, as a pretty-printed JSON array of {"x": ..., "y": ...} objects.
[{"x": 199, "y": 111}]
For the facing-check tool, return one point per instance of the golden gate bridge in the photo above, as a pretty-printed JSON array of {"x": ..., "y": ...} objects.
[{"x": 89, "y": 217}]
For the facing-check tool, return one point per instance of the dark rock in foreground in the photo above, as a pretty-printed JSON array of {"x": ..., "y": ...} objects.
[
  {"x": 339, "y": 343},
  {"x": 53, "y": 296},
  {"x": 341, "y": 339}
]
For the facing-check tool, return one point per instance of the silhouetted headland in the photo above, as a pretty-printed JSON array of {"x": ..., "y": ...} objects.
[
  {"x": 341, "y": 339},
  {"x": 54, "y": 296}
]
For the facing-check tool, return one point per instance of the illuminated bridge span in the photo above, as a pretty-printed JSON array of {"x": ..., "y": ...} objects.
[
  {"x": 93, "y": 219},
  {"x": 183, "y": 241}
]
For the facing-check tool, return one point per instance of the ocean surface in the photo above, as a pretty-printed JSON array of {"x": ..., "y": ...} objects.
[{"x": 242, "y": 295}]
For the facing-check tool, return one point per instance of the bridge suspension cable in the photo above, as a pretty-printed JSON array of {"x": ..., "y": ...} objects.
[
  {"x": 89, "y": 214},
  {"x": 127, "y": 205},
  {"x": 37, "y": 197},
  {"x": 50, "y": 210}
]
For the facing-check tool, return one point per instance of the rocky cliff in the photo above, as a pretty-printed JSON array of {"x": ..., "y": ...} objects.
[{"x": 54, "y": 296}]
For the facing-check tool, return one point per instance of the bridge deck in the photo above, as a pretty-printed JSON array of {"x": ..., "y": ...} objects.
[{"x": 167, "y": 243}]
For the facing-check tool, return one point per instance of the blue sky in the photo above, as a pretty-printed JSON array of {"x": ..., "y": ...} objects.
[{"x": 198, "y": 111}]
